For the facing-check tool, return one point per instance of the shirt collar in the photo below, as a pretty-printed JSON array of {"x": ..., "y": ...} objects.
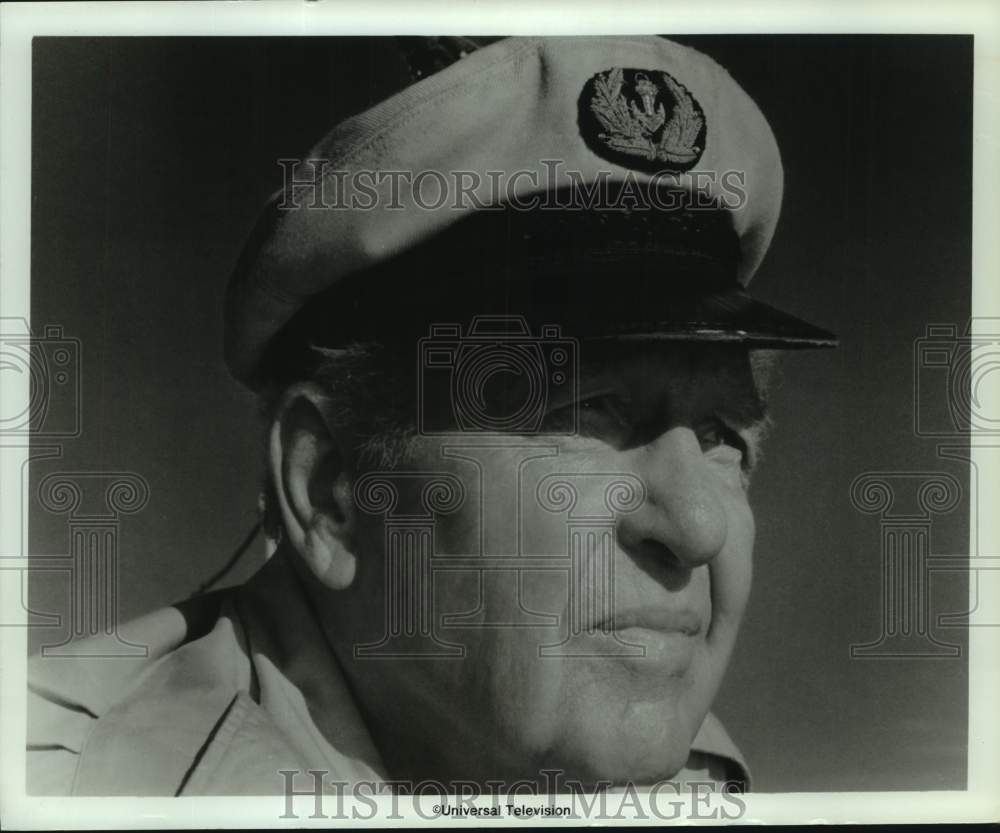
[{"x": 297, "y": 679}]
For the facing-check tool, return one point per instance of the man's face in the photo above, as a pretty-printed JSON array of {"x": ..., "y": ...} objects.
[{"x": 617, "y": 565}]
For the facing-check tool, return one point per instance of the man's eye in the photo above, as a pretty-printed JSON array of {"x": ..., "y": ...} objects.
[
  {"x": 711, "y": 435},
  {"x": 604, "y": 405},
  {"x": 591, "y": 415},
  {"x": 714, "y": 433}
]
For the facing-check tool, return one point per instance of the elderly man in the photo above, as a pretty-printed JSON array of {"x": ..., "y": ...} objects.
[{"x": 514, "y": 392}]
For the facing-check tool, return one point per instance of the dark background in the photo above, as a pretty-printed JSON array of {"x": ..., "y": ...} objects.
[{"x": 152, "y": 157}]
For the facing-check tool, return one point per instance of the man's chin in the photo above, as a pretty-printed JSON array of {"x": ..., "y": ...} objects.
[
  {"x": 645, "y": 750},
  {"x": 603, "y": 770}
]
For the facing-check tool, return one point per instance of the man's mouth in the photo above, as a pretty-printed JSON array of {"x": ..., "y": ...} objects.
[{"x": 662, "y": 620}]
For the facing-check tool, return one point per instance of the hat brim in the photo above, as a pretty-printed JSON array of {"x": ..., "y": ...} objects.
[
  {"x": 723, "y": 317},
  {"x": 730, "y": 317}
]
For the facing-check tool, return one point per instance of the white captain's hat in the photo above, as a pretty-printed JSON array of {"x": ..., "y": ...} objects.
[{"x": 616, "y": 186}]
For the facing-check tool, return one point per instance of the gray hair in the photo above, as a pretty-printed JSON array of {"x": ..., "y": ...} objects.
[{"x": 370, "y": 391}]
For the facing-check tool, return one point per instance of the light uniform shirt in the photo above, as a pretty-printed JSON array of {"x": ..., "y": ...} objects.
[{"x": 237, "y": 686}]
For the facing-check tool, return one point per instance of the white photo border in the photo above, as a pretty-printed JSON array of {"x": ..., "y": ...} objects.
[{"x": 20, "y": 22}]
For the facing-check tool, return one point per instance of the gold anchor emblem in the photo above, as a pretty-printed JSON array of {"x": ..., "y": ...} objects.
[{"x": 630, "y": 126}]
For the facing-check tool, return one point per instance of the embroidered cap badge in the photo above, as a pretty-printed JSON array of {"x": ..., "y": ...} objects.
[{"x": 623, "y": 118}]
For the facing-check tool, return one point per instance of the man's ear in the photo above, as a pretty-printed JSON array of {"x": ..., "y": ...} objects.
[{"x": 309, "y": 470}]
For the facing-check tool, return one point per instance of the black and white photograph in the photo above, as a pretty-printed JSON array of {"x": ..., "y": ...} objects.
[{"x": 555, "y": 427}]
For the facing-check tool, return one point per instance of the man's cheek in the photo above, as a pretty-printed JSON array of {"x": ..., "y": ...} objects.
[
  {"x": 531, "y": 693},
  {"x": 457, "y": 593},
  {"x": 731, "y": 578},
  {"x": 545, "y": 592}
]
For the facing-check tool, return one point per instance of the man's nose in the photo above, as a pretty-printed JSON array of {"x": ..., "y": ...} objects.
[{"x": 682, "y": 511}]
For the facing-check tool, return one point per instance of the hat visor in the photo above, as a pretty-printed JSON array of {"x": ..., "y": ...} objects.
[
  {"x": 728, "y": 316},
  {"x": 731, "y": 316}
]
